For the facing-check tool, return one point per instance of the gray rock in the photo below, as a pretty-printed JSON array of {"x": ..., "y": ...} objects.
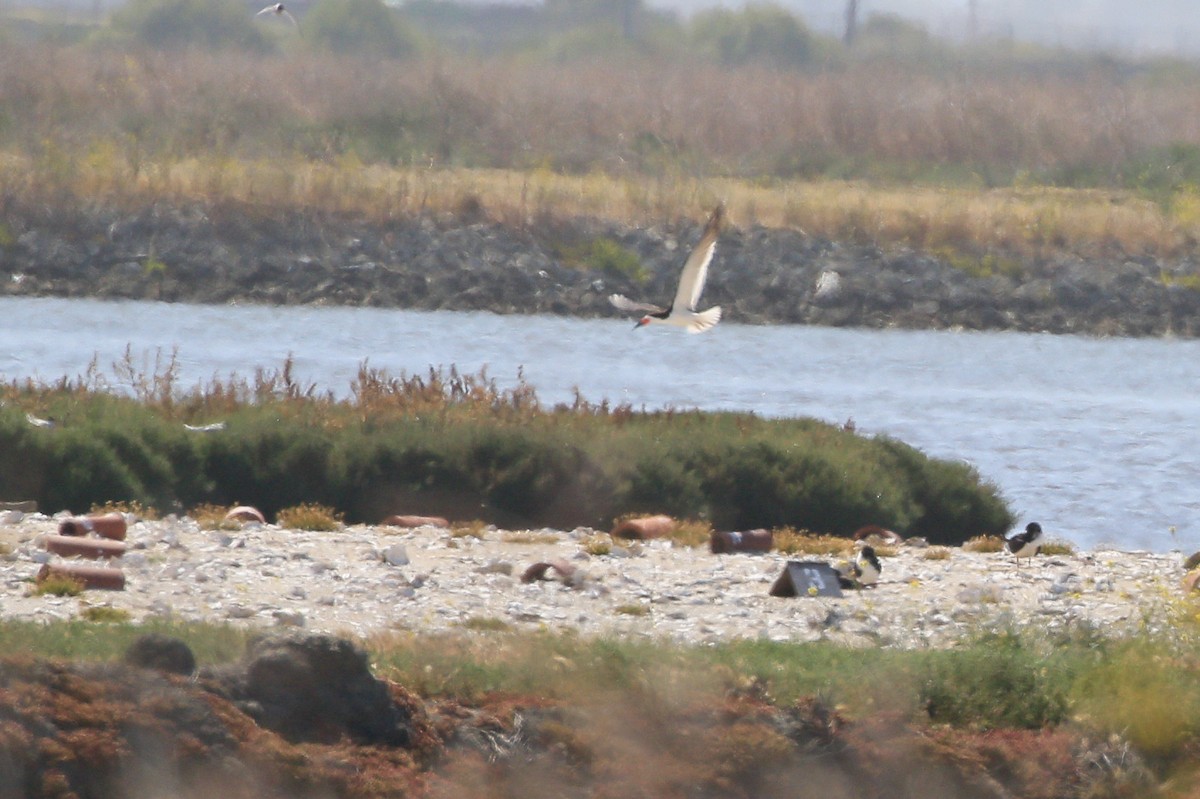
[
  {"x": 316, "y": 688},
  {"x": 395, "y": 555},
  {"x": 161, "y": 652}
]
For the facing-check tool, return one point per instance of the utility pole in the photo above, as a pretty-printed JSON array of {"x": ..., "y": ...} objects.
[{"x": 851, "y": 22}]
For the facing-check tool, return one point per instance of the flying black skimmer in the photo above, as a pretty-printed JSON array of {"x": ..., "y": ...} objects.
[
  {"x": 205, "y": 428},
  {"x": 682, "y": 311},
  {"x": 278, "y": 10},
  {"x": 1026, "y": 544}
]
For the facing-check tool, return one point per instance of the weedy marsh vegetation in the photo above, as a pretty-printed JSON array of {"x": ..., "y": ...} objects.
[
  {"x": 462, "y": 447},
  {"x": 987, "y": 155},
  {"x": 1129, "y": 703}
]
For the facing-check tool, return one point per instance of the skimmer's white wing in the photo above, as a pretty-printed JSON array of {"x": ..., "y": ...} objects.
[{"x": 695, "y": 269}]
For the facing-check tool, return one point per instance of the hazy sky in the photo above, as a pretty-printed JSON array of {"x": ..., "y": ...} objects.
[{"x": 1129, "y": 26}]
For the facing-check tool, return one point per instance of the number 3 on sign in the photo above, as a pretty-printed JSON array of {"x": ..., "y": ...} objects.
[{"x": 815, "y": 578}]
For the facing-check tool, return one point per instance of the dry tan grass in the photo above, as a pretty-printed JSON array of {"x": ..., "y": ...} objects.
[
  {"x": 529, "y": 537},
  {"x": 984, "y": 544},
  {"x": 58, "y": 585},
  {"x": 598, "y": 544},
  {"x": 213, "y": 517},
  {"x": 1057, "y": 547},
  {"x": 309, "y": 516},
  {"x": 134, "y": 507},
  {"x": 1027, "y": 223},
  {"x": 640, "y": 142},
  {"x": 789, "y": 541},
  {"x": 475, "y": 528},
  {"x": 691, "y": 533}
]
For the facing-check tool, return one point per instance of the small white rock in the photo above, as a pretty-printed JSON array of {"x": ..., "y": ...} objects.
[
  {"x": 289, "y": 618},
  {"x": 395, "y": 555}
]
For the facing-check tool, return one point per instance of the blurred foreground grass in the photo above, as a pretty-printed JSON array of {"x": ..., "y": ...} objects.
[{"x": 1142, "y": 688}]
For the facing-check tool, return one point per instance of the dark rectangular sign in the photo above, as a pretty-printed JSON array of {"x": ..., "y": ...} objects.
[{"x": 807, "y": 578}]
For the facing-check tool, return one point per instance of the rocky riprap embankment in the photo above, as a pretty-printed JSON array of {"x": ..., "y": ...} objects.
[
  {"x": 231, "y": 253},
  {"x": 364, "y": 580}
]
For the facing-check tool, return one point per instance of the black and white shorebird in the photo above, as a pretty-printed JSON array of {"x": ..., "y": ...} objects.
[
  {"x": 1026, "y": 544},
  {"x": 867, "y": 565},
  {"x": 864, "y": 570},
  {"x": 682, "y": 311},
  {"x": 278, "y": 10}
]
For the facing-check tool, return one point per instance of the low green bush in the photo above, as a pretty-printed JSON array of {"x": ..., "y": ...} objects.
[
  {"x": 603, "y": 255},
  {"x": 998, "y": 682},
  {"x": 468, "y": 451}
]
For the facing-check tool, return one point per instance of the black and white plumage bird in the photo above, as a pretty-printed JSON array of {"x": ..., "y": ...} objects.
[
  {"x": 278, "y": 10},
  {"x": 861, "y": 572},
  {"x": 1026, "y": 544},
  {"x": 45, "y": 424},
  {"x": 214, "y": 427},
  {"x": 866, "y": 563},
  {"x": 682, "y": 311}
]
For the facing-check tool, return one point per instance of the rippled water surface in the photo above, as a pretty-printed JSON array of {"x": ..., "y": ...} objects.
[{"x": 1094, "y": 438}]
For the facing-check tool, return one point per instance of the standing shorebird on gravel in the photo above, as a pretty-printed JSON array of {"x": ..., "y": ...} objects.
[
  {"x": 868, "y": 567},
  {"x": 861, "y": 572},
  {"x": 278, "y": 10},
  {"x": 682, "y": 311},
  {"x": 1026, "y": 544}
]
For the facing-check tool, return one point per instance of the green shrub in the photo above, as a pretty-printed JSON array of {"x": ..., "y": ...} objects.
[
  {"x": 103, "y": 614},
  {"x": 661, "y": 483},
  {"x": 608, "y": 256},
  {"x": 955, "y": 503},
  {"x": 764, "y": 484},
  {"x": 82, "y": 468},
  {"x": 1144, "y": 696},
  {"x": 271, "y": 464},
  {"x": 603, "y": 255},
  {"x": 999, "y": 682},
  {"x": 459, "y": 449}
]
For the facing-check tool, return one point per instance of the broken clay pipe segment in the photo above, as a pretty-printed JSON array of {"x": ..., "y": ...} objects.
[
  {"x": 84, "y": 547},
  {"x": 644, "y": 527},
  {"x": 89, "y": 576},
  {"x": 245, "y": 513},
  {"x": 106, "y": 525},
  {"x": 749, "y": 541},
  {"x": 404, "y": 520},
  {"x": 538, "y": 570}
]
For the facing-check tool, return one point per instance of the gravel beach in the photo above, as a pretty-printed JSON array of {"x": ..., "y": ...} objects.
[{"x": 365, "y": 580}]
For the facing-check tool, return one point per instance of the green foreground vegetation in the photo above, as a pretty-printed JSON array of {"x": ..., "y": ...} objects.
[
  {"x": 1142, "y": 690},
  {"x": 461, "y": 447}
]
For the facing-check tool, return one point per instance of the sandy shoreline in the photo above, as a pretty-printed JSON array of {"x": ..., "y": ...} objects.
[{"x": 365, "y": 580}]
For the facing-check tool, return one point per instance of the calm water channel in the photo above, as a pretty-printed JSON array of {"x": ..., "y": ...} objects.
[{"x": 1094, "y": 438}]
